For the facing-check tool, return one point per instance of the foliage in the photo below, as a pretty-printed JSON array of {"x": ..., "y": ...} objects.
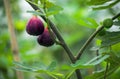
[{"x": 76, "y": 22}]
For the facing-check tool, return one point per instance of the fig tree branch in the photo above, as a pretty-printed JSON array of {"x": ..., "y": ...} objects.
[
  {"x": 88, "y": 42},
  {"x": 116, "y": 16},
  {"x": 105, "y": 73},
  {"x": 60, "y": 38},
  {"x": 91, "y": 38}
]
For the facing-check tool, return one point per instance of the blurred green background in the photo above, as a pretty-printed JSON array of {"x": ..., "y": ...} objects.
[{"x": 74, "y": 24}]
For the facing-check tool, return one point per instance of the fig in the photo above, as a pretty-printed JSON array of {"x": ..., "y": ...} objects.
[
  {"x": 107, "y": 23},
  {"x": 35, "y": 26},
  {"x": 45, "y": 39}
]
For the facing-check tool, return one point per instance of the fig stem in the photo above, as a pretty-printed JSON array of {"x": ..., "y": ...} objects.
[
  {"x": 105, "y": 73},
  {"x": 51, "y": 33}
]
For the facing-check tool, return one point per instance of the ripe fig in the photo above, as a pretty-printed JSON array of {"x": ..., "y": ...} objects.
[
  {"x": 108, "y": 23},
  {"x": 35, "y": 26},
  {"x": 45, "y": 39}
]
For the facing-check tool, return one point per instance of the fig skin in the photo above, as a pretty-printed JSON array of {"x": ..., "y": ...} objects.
[
  {"x": 35, "y": 26},
  {"x": 107, "y": 23},
  {"x": 45, "y": 39}
]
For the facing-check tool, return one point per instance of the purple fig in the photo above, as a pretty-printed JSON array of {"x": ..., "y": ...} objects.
[
  {"x": 35, "y": 26},
  {"x": 45, "y": 39}
]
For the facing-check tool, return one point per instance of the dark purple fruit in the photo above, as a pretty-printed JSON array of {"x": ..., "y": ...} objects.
[
  {"x": 35, "y": 26},
  {"x": 45, "y": 39}
]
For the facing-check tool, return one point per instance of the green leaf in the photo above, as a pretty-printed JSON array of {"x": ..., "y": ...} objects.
[
  {"x": 52, "y": 66},
  {"x": 39, "y": 69},
  {"x": 53, "y": 10},
  {"x": 42, "y": 1},
  {"x": 98, "y": 2},
  {"x": 30, "y": 68},
  {"x": 57, "y": 74},
  {"x": 117, "y": 23},
  {"x": 49, "y": 4},
  {"x": 102, "y": 4},
  {"x": 82, "y": 66},
  {"x": 52, "y": 75},
  {"x": 114, "y": 64},
  {"x": 66, "y": 67},
  {"x": 67, "y": 76},
  {"x": 100, "y": 74},
  {"x": 110, "y": 38},
  {"x": 78, "y": 65},
  {"x": 91, "y": 23},
  {"x": 116, "y": 49},
  {"x": 95, "y": 61},
  {"x": 23, "y": 67},
  {"x": 106, "y": 6},
  {"x": 35, "y": 3},
  {"x": 113, "y": 59}
]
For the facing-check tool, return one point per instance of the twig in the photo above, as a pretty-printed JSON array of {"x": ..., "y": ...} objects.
[
  {"x": 58, "y": 35},
  {"x": 106, "y": 70},
  {"x": 91, "y": 38},
  {"x": 13, "y": 40},
  {"x": 87, "y": 42},
  {"x": 116, "y": 16}
]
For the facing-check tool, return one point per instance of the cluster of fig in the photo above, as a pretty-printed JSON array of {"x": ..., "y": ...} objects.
[{"x": 36, "y": 27}]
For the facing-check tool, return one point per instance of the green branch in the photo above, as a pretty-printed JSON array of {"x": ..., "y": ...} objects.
[
  {"x": 91, "y": 38},
  {"x": 105, "y": 73}
]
